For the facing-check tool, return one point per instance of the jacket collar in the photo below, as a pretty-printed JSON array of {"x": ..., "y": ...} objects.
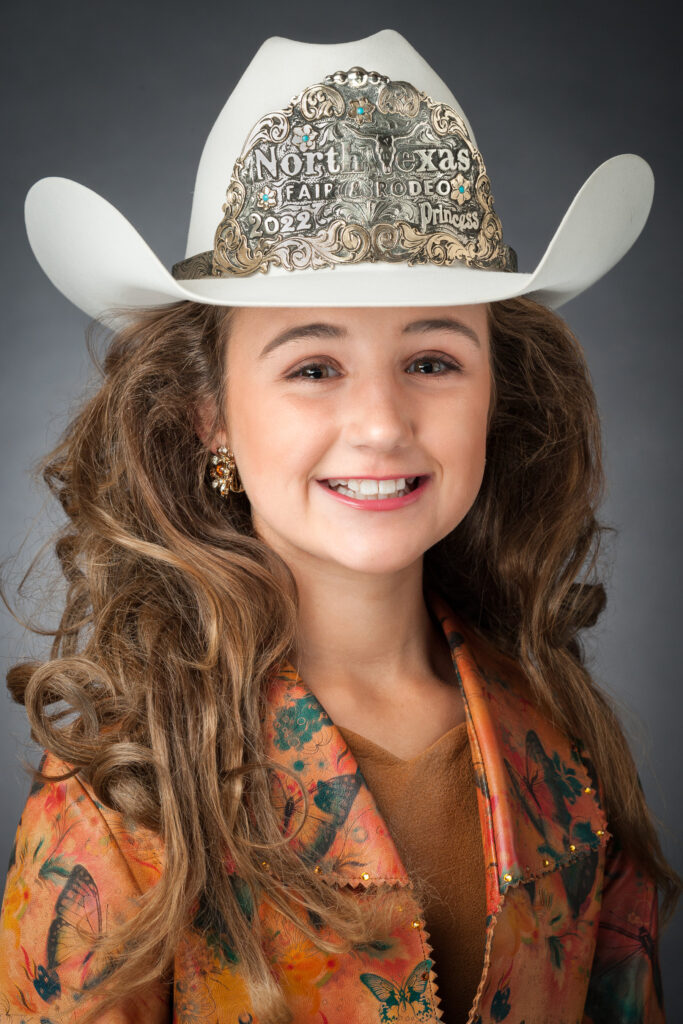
[{"x": 538, "y": 805}]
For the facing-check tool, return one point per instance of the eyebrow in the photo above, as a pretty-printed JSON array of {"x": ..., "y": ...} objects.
[{"x": 325, "y": 330}]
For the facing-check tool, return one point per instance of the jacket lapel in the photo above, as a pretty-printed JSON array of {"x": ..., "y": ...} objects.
[
  {"x": 344, "y": 835},
  {"x": 538, "y": 805}
]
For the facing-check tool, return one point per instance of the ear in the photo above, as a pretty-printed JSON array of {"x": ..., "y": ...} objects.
[{"x": 205, "y": 424}]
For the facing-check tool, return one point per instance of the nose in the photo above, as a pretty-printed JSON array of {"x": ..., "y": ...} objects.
[{"x": 378, "y": 414}]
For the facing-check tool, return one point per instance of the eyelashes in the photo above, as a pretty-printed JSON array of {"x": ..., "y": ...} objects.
[{"x": 450, "y": 367}]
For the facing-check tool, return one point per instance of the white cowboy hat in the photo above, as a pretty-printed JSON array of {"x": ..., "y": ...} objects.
[{"x": 336, "y": 175}]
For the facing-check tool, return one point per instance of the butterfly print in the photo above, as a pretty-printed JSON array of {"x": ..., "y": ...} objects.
[
  {"x": 546, "y": 786},
  {"x": 328, "y": 810},
  {"x": 77, "y": 919},
  {"x": 623, "y": 963},
  {"x": 404, "y": 1002}
]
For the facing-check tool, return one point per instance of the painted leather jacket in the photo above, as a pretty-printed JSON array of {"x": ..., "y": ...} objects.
[{"x": 571, "y": 927}]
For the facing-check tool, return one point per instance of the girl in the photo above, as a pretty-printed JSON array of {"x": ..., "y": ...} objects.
[{"x": 320, "y": 742}]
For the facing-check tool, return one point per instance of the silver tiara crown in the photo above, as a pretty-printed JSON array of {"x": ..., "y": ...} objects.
[{"x": 356, "y": 169}]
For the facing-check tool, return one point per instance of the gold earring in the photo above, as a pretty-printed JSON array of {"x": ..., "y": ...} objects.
[{"x": 223, "y": 471}]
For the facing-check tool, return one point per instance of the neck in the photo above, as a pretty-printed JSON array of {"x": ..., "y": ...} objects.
[{"x": 369, "y": 634}]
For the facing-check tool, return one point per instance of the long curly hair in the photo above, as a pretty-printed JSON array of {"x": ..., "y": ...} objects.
[{"x": 177, "y": 615}]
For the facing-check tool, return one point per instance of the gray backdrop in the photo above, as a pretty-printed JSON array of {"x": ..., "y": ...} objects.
[{"x": 120, "y": 96}]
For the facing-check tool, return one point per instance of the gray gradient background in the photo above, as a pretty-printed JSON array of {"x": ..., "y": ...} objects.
[{"x": 121, "y": 96}]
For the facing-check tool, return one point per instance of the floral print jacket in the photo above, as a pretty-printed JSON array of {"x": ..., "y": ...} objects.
[{"x": 571, "y": 926}]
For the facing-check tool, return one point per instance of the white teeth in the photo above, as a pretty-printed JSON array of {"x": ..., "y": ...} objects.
[
  {"x": 388, "y": 486},
  {"x": 371, "y": 489},
  {"x": 371, "y": 486}
]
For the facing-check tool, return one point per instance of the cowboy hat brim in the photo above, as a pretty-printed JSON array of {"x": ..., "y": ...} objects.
[{"x": 97, "y": 259}]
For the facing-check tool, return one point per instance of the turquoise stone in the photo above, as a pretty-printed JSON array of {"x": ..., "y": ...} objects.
[
  {"x": 265, "y": 195},
  {"x": 462, "y": 188},
  {"x": 361, "y": 110},
  {"x": 305, "y": 138}
]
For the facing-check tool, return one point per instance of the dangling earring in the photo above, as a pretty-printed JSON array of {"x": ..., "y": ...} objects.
[{"x": 223, "y": 471}]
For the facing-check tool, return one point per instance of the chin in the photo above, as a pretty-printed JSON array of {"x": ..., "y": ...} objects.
[{"x": 376, "y": 562}]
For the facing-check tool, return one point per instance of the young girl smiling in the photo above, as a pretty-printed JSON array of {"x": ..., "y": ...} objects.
[{"x": 320, "y": 740}]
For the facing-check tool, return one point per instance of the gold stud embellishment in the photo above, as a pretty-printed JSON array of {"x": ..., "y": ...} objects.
[
  {"x": 546, "y": 862},
  {"x": 460, "y": 189},
  {"x": 267, "y": 198},
  {"x": 223, "y": 472},
  {"x": 365, "y": 876},
  {"x": 599, "y": 832},
  {"x": 507, "y": 877},
  {"x": 588, "y": 790},
  {"x": 572, "y": 847},
  {"x": 317, "y": 869},
  {"x": 415, "y": 923},
  {"x": 361, "y": 110}
]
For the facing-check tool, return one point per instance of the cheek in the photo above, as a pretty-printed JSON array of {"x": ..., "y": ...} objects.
[
  {"x": 462, "y": 444},
  {"x": 273, "y": 443},
  {"x": 253, "y": 436}
]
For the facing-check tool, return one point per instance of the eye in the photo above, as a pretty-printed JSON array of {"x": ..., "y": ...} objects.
[
  {"x": 307, "y": 372},
  {"x": 313, "y": 371},
  {"x": 425, "y": 362}
]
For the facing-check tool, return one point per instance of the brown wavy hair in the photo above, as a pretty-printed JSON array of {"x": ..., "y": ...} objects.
[{"x": 177, "y": 615}]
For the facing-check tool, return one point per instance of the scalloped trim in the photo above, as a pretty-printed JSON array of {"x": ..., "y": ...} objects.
[
  {"x": 562, "y": 862},
  {"x": 345, "y": 881},
  {"x": 427, "y": 950},
  {"x": 492, "y": 923},
  {"x": 474, "y": 1010}
]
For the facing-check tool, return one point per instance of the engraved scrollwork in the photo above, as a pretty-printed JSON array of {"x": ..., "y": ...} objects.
[
  {"x": 232, "y": 253},
  {"x": 439, "y": 247},
  {"x": 490, "y": 237},
  {"x": 445, "y": 121},
  {"x": 349, "y": 211},
  {"x": 193, "y": 267},
  {"x": 386, "y": 238},
  {"x": 339, "y": 243},
  {"x": 443, "y": 249},
  {"x": 352, "y": 239},
  {"x": 393, "y": 210},
  {"x": 321, "y": 101},
  {"x": 231, "y": 249},
  {"x": 399, "y": 98},
  {"x": 270, "y": 128},
  {"x": 296, "y": 254},
  {"x": 235, "y": 195}
]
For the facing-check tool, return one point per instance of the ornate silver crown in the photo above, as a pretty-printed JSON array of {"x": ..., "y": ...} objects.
[{"x": 356, "y": 169}]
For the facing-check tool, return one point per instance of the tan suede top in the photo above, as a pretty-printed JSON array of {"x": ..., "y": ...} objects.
[{"x": 430, "y": 806}]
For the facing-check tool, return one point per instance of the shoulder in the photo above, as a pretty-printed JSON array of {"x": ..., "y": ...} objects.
[
  {"x": 64, "y": 824},
  {"x": 77, "y": 871}
]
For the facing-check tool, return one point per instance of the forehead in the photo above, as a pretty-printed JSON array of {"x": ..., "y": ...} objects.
[{"x": 250, "y": 325}]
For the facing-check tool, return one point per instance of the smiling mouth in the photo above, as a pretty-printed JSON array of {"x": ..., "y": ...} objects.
[{"x": 374, "y": 490}]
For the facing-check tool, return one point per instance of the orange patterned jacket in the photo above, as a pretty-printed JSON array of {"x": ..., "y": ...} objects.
[{"x": 571, "y": 922}]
